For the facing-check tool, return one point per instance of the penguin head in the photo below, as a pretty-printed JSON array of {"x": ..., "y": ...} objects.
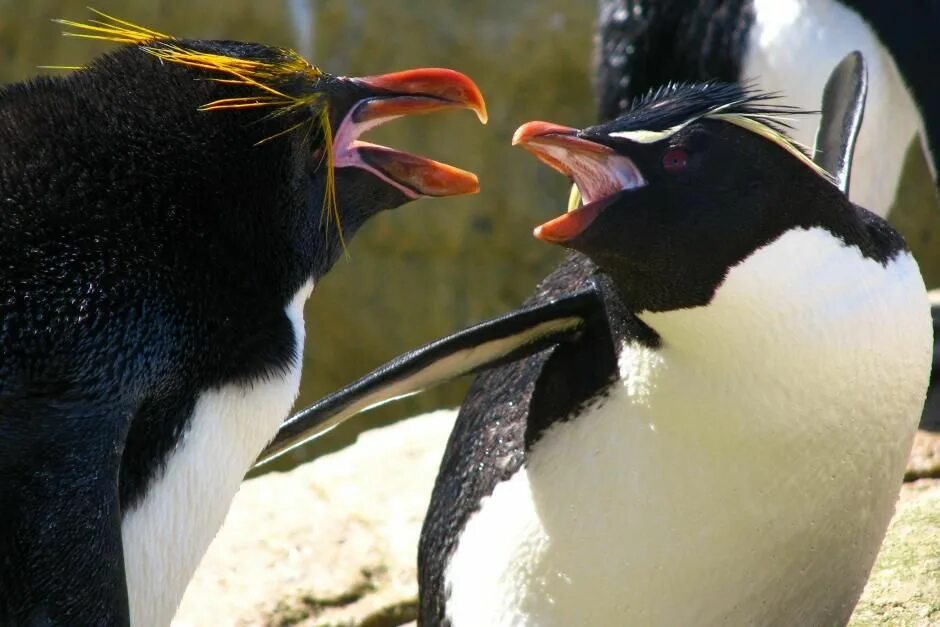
[
  {"x": 253, "y": 142},
  {"x": 688, "y": 183}
]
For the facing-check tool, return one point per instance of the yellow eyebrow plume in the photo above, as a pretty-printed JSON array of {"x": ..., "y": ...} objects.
[
  {"x": 264, "y": 77},
  {"x": 111, "y": 29}
]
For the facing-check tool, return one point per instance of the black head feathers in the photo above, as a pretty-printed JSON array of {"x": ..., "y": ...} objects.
[
  {"x": 678, "y": 103},
  {"x": 665, "y": 110}
]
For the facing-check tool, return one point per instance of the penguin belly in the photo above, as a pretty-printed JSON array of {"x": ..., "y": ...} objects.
[
  {"x": 742, "y": 473},
  {"x": 792, "y": 46},
  {"x": 167, "y": 533},
  {"x": 614, "y": 523}
]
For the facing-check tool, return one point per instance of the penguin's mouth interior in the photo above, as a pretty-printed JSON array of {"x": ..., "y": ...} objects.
[
  {"x": 599, "y": 173},
  {"x": 412, "y": 92}
]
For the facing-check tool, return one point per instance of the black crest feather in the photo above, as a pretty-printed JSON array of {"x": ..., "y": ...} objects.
[
  {"x": 674, "y": 104},
  {"x": 664, "y": 110}
]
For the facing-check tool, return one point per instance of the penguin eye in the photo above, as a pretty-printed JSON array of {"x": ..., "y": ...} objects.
[{"x": 675, "y": 160}]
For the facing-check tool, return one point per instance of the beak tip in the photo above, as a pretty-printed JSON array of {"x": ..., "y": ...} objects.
[
  {"x": 548, "y": 235},
  {"x": 535, "y": 130},
  {"x": 474, "y": 186},
  {"x": 474, "y": 101}
]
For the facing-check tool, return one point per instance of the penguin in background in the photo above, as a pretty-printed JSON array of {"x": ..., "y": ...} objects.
[
  {"x": 164, "y": 214},
  {"x": 711, "y": 400},
  {"x": 787, "y": 47}
]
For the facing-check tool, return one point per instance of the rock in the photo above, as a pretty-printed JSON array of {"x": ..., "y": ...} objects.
[
  {"x": 904, "y": 587},
  {"x": 916, "y": 213},
  {"x": 333, "y": 542},
  {"x": 925, "y": 457}
]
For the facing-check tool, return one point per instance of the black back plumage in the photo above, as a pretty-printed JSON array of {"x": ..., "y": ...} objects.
[
  {"x": 645, "y": 43},
  {"x": 508, "y": 408}
]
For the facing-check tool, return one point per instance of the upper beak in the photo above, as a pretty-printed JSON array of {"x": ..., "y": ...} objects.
[
  {"x": 533, "y": 134},
  {"x": 560, "y": 147},
  {"x": 598, "y": 171},
  {"x": 422, "y": 91},
  {"x": 411, "y": 92}
]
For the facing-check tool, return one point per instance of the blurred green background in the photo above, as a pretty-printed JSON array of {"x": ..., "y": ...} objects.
[{"x": 434, "y": 266}]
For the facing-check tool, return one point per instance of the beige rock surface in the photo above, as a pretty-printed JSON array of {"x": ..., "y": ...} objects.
[
  {"x": 333, "y": 542},
  {"x": 924, "y": 462},
  {"x": 904, "y": 588}
]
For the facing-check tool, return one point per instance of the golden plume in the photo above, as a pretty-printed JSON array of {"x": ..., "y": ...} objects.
[{"x": 263, "y": 77}]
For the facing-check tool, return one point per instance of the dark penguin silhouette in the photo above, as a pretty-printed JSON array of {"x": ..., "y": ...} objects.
[{"x": 164, "y": 213}]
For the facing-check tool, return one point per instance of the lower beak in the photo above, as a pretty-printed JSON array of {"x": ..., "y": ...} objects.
[{"x": 411, "y": 92}]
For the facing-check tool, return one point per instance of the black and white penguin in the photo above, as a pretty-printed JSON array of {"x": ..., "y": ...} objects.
[
  {"x": 723, "y": 440},
  {"x": 164, "y": 214},
  {"x": 787, "y": 46}
]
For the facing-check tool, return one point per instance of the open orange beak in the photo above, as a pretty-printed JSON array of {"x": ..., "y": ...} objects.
[
  {"x": 598, "y": 170},
  {"x": 411, "y": 92}
]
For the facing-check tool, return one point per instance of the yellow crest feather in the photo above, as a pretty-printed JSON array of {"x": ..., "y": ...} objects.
[
  {"x": 261, "y": 76},
  {"x": 757, "y": 127}
]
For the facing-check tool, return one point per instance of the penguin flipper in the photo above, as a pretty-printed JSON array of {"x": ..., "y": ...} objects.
[
  {"x": 843, "y": 106},
  {"x": 503, "y": 339},
  {"x": 61, "y": 556}
]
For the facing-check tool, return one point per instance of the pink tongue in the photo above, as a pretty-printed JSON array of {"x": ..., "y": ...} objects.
[{"x": 568, "y": 225}]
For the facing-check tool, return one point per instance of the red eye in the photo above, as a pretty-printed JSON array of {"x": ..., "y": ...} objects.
[{"x": 675, "y": 159}]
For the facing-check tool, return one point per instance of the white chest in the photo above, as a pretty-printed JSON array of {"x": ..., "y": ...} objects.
[
  {"x": 794, "y": 44},
  {"x": 745, "y": 478},
  {"x": 166, "y": 535}
]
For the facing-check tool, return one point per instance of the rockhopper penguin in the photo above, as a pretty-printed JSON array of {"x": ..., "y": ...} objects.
[
  {"x": 724, "y": 439},
  {"x": 164, "y": 214}
]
